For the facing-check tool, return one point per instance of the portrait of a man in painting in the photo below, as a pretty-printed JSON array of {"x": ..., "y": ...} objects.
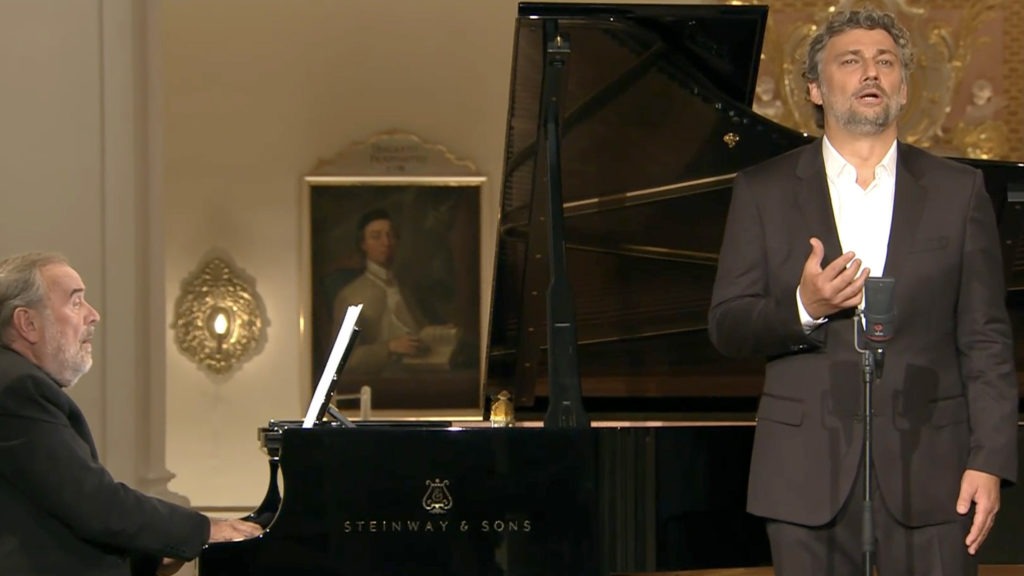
[{"x": 410, "y": 256}]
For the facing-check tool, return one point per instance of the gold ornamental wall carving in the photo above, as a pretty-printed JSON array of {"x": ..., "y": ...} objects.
[
  {"x": 219, "y": 319},
  {"x": 966, "y": 92}
]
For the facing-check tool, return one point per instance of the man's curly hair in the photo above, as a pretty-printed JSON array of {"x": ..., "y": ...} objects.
[{"x": 864, "y": 19}]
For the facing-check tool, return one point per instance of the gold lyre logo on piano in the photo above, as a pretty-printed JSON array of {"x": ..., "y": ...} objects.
[{"x": 437, "y": 500}]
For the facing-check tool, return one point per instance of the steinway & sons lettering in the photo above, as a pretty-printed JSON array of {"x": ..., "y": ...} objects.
[{"x": 435, "y": 526}]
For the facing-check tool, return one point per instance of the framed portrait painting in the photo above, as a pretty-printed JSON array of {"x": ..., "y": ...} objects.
[{"x": 394, "y": 226}]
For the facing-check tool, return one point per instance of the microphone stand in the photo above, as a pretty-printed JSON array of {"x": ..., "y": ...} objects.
[{"x": 872, "y": 363}]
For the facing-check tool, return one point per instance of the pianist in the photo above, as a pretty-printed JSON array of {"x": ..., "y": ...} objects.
[
  {"x": 60, "y": 510},
  {"x": 860, "y": 202}
]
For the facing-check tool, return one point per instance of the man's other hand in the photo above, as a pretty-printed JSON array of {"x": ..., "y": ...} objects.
[
  {"x": 982, "y": 489},
  {"x": 230, "y": 530},
  {"x": 835, "y": 287}
]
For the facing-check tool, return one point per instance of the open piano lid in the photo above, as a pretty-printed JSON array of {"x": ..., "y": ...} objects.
[{"x": 656, "y": 120}]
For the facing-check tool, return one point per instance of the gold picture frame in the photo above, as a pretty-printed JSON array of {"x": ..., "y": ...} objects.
[{"x": 393, "y": 223}]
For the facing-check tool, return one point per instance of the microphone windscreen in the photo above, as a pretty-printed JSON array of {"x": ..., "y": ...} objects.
[{"x": 879, "y": 308}]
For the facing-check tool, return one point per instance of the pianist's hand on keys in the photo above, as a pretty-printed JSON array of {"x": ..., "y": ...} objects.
[{"x": 229, "y": 530}]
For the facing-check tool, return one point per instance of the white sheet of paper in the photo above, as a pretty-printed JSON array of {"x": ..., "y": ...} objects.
[{"x": 348, "y": 326}]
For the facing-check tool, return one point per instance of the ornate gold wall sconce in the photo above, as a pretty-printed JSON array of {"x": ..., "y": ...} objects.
[{"x": 219, "y": 319}]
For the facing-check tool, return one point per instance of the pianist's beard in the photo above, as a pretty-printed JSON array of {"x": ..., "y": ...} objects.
[
  {"x": 68, "y": 357},
  {"x": 865, "y": 122}
]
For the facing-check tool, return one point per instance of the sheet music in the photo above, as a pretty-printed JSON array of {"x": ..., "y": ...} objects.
[{"x": 348, "y": 325}]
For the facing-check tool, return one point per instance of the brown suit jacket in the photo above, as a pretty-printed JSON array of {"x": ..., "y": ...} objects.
[
  {"x": 370, "y": 354},
  {"x": 948, "y": 397}
]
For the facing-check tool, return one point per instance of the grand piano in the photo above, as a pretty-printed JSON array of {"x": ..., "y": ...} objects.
[{"x": 626, "y": 125}]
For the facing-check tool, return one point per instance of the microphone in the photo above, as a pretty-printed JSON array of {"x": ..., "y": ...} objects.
[{"x": 879, "y": 311}]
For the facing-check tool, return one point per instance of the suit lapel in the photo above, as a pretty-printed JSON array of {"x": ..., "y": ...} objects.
[
  {"x": 816, "y": 203},
  {"x": 908, "y": 206}
]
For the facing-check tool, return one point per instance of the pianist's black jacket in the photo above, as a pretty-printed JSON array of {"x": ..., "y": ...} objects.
[{"x": 61, "y": 512}]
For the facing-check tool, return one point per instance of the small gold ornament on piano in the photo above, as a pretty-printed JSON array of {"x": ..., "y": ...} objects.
[{"x": 503, "y": 411}]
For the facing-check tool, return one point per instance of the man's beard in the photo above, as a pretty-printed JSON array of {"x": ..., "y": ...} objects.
[
  {"x": 68, "y": 364},
  {"x": 865, "y": 123}
]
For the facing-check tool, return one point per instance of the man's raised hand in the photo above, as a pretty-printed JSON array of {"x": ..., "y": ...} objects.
[{"x": 837, "y": 286}]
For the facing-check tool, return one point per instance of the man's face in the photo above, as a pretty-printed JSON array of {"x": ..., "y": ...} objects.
[
  {"x": 380, "y": 242},
  {"x": 68, "y": 325},
  {"x": 860, "y": 82}
]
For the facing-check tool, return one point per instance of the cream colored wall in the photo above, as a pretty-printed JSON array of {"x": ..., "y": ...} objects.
[
  {"x": 254, "y": 93},
  {"x": 73, "y": 179},
  {"x": 51, "y": 147}
]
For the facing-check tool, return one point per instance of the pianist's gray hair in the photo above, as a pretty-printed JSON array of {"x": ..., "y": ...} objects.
[
  {"x": 866, "y": 19},
  {"x": 21, "y": 284}
]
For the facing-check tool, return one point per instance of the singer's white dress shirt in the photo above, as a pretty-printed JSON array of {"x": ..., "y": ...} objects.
[{"x": 863, "y": 216}]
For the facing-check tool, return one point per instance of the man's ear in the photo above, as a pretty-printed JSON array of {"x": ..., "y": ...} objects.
[
  {"x": 814, "y": 93},
  {"x": 26, "y": 325}
]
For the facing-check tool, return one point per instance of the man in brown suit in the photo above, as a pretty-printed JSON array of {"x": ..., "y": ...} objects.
[
  {"x": 804, "y": 232},
  {"x": 390, "y": 323}
]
